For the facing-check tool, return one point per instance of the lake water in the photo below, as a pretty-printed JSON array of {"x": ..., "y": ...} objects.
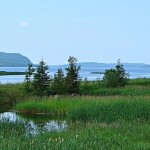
[{"x": 135, "y": 72}]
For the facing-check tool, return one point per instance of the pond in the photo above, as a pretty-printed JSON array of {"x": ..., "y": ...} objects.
[{"x": 35, "y": 124}]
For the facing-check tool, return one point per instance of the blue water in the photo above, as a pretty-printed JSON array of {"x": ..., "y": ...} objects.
[{"x": 85, "y": 72}]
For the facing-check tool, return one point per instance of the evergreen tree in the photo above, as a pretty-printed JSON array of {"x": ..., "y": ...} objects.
[
  {"x": 72, "y": 76},
  {"x": 29, "y": 73},
  {"x": 58, "y": 85},
  {"x": 122, "y": 76},
  {"x": 41, "y": 79}
]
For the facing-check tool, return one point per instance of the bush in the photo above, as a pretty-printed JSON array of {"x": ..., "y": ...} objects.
[{"x": 115, "y": 77}]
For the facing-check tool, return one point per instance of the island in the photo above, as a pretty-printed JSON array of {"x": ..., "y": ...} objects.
[{"x": 4, "y": 73}]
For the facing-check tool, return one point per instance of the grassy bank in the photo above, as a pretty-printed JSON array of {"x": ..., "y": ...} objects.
[
  {"x": 101, "y": 109},
  {"x": 12, "y": 93},
  {"x": 49, "y": 106},
  {"x": 135, "y": 87}
]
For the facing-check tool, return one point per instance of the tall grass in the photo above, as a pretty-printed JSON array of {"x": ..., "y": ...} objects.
[
  {"x": 128, "y": 136},
  {"x": 49, "y": 106},
  {"x": 99, "y": 109},
  {"x": 139, "y": 86},
  {"x": 111, "y": 111},
  {"x": 140, "y": 81},
  {"x": 12, "y": 93}
]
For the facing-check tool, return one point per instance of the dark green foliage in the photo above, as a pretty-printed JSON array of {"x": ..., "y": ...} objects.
[
  {"x": 72, "y": 77},
  {"x": 28, "y": 75},
  {"x": 58, "y": 84},
  {"x": 41, "y": 79},
  {"x": 110, "y": 78},
  {"x": 115, "y": 77},
  {"x": 122, "y": 76},
  {"x": 3, "y": 73}
]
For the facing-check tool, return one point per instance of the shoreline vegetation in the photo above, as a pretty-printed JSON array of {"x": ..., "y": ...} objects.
[
  {"x": 3, "y": 73},
  {"x": 91, "y": 109},
  {"x": 97, "y": 73},
  {"x": 99, "y": 115}
]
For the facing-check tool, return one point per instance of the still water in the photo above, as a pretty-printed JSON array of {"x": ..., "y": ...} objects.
[
  {"x": 85, "y": 72},
  {"x": 35, "y": 124}
]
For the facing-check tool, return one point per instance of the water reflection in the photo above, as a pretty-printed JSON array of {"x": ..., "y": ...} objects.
[{"x": 35, "y": 124}]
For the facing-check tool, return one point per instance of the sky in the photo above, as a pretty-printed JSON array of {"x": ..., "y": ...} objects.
[{"x": 90, "y": 30}]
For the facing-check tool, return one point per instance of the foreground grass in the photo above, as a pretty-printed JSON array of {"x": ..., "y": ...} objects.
[{"x": 97, "y": 136}]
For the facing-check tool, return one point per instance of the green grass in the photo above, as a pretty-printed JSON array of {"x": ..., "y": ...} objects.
[
  {"x": 139, "y": 86},
  {"x": 140, "y": 81},
  {"x": 97, "y": 136},
  {"x": 101, "y": 109},
  {"x": 116, "y": 109},
  {"x": 12, "y": 93},
  {"x": 115, "y": 119},
  {"x": 111, "y": 119},
  {"x": 50, "y": 106}
]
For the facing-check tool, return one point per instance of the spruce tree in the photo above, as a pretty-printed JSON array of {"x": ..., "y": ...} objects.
[
  {"x": 58, "y": 85},
  {"x": 72, "y": 76},
  {"x": 28, "y": 75},
  {"x": 41, "y": 79}
]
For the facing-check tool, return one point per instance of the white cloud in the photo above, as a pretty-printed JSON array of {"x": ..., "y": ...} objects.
[{"x": 24, "y": 24}]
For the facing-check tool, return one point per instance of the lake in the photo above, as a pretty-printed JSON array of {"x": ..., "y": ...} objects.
[
  {"x": 35, "y": 124},
  {"x": 85, "y": 72}
]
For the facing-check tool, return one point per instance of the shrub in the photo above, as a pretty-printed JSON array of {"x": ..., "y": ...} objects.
[{"x": 116, "y": 77}]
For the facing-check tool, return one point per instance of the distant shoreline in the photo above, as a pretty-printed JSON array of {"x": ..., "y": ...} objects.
[
  {"x": 3, "y": 73},
  {"x": 97, "y": 72}
]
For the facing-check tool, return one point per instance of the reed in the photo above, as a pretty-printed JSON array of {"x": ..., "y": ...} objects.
[
  {"x": 99, "y": 109},
  {"x": 112, "y": 111},
  {"x": 51, "y": 107}
]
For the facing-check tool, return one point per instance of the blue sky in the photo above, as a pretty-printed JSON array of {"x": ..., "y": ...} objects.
[{"x": 91, "y": 30}]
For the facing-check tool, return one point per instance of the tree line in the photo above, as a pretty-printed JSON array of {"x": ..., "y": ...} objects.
[
  {"x": 39, "y": 82},
  {"x": 42, "y": 84}
]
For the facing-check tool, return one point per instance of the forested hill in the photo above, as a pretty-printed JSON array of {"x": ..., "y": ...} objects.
[{"x": 13, "y": 60}]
